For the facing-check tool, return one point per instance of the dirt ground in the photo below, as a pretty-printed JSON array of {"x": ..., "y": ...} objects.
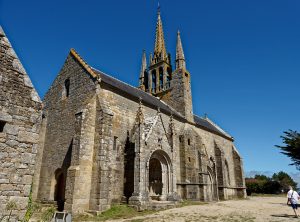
[{"x": 253, "y": 209}]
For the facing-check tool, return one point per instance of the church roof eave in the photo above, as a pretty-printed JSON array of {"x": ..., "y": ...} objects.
[{"x": 147, "y": 98}]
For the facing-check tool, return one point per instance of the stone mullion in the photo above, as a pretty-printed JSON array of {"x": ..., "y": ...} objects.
[
  {"x": 165, "y": 77},
  {"x": 157, "y": 80},
  {"x": 150, "y": 81}
]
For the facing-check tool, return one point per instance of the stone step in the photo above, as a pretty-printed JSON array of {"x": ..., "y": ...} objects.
[{"x": 161, "y": 205}]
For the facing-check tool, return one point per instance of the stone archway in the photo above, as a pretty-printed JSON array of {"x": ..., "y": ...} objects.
[
  {"x": 159, "y": 176},
  {"x": 60, "y": 187},
  {"x": 211, "y": 191}
]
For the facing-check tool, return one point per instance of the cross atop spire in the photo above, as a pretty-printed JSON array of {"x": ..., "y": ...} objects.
[
  {"x": 180, "y": 60},
  {"x": 160, "y": 52}
]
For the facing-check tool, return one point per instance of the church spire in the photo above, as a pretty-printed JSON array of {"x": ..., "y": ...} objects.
[
  {"x": 160, "y": 52},
  {"x": 180, "y": 60},
  {"x": 143, "y": 68}
]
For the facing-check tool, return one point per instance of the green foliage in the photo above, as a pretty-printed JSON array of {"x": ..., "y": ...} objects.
[
  {"x": 48, "y": 214},
  {"x": 261, "y": 177},
  {"x": 285, "y": 180},
  {"x": 291, "y": 139},
  {"x": 11, "y": 205},
  {"x": 115, "y": 212},
  {"x": 271, "y": 187},
  {"x": 29, "y": 210},
  {"x": 262, "y": 184}
]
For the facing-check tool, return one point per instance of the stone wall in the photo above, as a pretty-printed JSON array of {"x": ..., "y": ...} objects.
[
  {"x": 19, "y": 119},
  {"x": 92, "y": 129},
  {"x": 180, "y": 95},
  {"x": 69, "y": 116}
]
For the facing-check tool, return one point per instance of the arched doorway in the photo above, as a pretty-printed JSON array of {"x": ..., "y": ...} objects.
[
  {"x": 60, "y": 186},
  {"x": 155, "y": 178},
  {"x": 129, "y": 169},
  {"x": 211, "y": 193},
  {"x": 160, "y": 175}
]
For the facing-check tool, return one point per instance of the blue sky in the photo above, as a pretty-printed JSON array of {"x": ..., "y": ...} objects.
[{"x": 243, "y": 56}]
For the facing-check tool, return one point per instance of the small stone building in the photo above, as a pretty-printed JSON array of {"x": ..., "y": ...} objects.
[
  {"x": 104, "y": 141},
  {"x": 20, "y": 114}
]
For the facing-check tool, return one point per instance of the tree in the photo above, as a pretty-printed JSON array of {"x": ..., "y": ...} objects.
[
  {"x": 284, "y": 180},
  {"x": 278, "y": 183},
  {"x": 291, "y": 139},
  {"x": 261, "y": 177}
]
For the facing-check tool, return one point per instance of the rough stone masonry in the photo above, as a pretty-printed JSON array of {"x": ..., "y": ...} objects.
[
  {"x": 99, "y": 141},
  {"x": 104, "y": 141},
  {"x": 20, "y": 114}
]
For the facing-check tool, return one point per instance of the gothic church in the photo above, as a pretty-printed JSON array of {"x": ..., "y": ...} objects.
[{"x": 103, "y": 141}]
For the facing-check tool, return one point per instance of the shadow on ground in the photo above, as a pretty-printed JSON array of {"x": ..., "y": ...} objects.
[{"x": 283, "y": 215}]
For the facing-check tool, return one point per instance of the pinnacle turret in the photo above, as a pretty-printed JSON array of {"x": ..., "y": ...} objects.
[
  {"x": 180, "y": 60},
  {"x": 143, "y": 68}
]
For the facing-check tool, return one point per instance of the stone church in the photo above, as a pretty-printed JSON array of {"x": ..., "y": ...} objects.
[{"x": 103, "y": 141}]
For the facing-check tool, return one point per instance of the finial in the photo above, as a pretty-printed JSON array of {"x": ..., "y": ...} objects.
[
  {"x": 205, "y": 115},
  {"x": 140, "y": 101},
  {"x": 159, "y": 47},
  {"x": 158, "y": 8}
]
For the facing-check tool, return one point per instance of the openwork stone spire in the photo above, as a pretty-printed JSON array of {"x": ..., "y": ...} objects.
[
  {"x": 160, "y": 52},
  {"x": 180, "y": 60}
]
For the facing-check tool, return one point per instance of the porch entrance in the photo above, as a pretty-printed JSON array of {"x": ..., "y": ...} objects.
[{"x": 160, "y": 182}]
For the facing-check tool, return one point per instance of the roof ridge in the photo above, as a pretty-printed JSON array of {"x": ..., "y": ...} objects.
[
  {"x": 116, "y": 79},
  {"x": 171, "y": 108},
  {"x": 218, "y": 127},
  {"x": 85, "y": 65}
]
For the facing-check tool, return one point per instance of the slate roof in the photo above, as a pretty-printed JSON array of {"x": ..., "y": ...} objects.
[
  {"x": 153, "y": 101},
  {"x": 203, "y": 123}
]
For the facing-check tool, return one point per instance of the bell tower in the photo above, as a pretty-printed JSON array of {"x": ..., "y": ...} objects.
[
  {"x": 181, "y": 94},
  {"x": 157, "y": 77}
]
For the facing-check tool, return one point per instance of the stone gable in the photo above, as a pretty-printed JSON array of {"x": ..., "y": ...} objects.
[{"x": 20, "y": 114}]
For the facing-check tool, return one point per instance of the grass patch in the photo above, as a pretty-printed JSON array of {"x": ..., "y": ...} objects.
[
  {"x": 267, "y": 195},
  {"x": 190, "y": 203},
  {"x": 115, "y": 212}
]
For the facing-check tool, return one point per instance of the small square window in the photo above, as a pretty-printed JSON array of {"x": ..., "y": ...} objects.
[{"x": 2, "y": 125}]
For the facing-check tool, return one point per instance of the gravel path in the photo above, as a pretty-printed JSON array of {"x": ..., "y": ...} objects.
[{"x": 253, "y": 209}]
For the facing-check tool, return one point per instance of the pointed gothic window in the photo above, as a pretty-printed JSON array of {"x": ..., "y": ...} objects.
[
  {"x": 161, "y": 78},
  {"x": 153, "y": 81},
  {"x": 169, "y": 77},
  {"x": 146, "y": 80}
]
